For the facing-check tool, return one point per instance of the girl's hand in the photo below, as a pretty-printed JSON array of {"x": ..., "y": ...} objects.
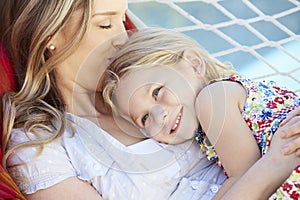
[{"x": 291, "y": 127}]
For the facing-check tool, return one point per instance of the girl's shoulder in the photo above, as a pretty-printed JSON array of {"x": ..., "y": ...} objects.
[{"x": 222, "y": 90}]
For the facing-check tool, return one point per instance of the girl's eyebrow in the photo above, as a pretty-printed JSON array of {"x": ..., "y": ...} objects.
[
  {"x": 135, "y": 120},
  {"x": 147, "y": 92}
]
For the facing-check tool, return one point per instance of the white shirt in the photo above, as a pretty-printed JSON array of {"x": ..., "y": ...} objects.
[{"x": 145, "y": 170}]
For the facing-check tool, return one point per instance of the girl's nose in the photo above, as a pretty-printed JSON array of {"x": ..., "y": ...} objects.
[
  {"x": 158, "y": 114},
  {"x": 157, "y": 120}
]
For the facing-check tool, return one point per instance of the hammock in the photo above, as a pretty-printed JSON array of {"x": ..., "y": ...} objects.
[{"x": 260, "y": 38}]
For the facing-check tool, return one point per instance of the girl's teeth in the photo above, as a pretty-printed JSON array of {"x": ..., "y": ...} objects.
[{"x": 177, "y": 121}]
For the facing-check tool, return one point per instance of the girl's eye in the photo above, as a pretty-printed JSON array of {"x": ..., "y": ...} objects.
[
  {"x": 156, "y": 92},
  {"x": 144, "y": 119},
  {"x": 125, "y": 22},
  {"x": 105, "y": 27}
]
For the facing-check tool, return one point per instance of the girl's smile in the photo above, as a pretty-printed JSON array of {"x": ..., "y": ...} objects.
[{"x": 176, "y": 125}]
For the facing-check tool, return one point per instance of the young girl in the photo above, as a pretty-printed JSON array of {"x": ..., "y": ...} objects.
[{"x": 168, "y": 86}]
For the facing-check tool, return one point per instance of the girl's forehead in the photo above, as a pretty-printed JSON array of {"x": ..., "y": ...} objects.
[
  {"x": 141, "y": 80},
  {"x": 147, "y": 76}
]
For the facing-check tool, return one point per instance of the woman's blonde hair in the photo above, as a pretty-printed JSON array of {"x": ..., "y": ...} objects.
[
  {"x": 151, "y": 47},
  {"x": 29, "y": 25}
]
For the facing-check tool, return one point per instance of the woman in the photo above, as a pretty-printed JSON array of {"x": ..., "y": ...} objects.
[{"x": 57, "y": 145}]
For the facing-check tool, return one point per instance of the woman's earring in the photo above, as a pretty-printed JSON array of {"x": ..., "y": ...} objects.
[{"x": 52, "y": 47}]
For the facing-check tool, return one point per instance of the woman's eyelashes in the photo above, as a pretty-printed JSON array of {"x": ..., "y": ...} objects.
[
  {"x": 105, "y": 26},
  {"x": 124, "y": 19},
  {"x": 109, "y": 26}
]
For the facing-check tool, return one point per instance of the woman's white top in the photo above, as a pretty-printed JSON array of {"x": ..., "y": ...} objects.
[{"x": 145, "y": 170}]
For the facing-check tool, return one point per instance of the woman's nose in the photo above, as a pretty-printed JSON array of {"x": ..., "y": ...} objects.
[{"x": 120, "y": 39}]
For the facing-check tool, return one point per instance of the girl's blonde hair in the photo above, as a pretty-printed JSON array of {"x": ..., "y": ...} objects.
[
  {"x": 29, "y": 25},
  {"x": 151, "y": 47}
]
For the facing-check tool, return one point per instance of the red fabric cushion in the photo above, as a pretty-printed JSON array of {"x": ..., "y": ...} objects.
[
  {"x": 129, "y": 25},
  {"x": 8, "y": 81},
  {"x": 8, "y": 189}
]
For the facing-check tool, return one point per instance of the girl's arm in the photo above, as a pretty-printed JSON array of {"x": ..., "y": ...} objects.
[
  {"x": 269, "y": 171},
  {"x": 71, "y": 188},
  {"x": 272, "y": 169},
  {"x": 219, "y": 108}
]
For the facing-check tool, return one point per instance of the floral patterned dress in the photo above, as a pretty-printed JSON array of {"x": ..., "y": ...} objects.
[{"x": 266, "y": 106}]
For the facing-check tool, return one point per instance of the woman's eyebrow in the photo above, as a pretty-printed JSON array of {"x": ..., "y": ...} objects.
[{"x": 105, "y": 13}]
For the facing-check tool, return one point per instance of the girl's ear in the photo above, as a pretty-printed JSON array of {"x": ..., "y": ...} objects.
[{"x": 194, "y": 58}]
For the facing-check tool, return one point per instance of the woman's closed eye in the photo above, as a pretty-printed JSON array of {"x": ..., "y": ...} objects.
[
  {"x": 105, "y": 26},
  {"x": 105, "y": 23}
]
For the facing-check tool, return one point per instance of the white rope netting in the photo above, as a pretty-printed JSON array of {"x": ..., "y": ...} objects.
[{"x": 274, "y": 52}]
